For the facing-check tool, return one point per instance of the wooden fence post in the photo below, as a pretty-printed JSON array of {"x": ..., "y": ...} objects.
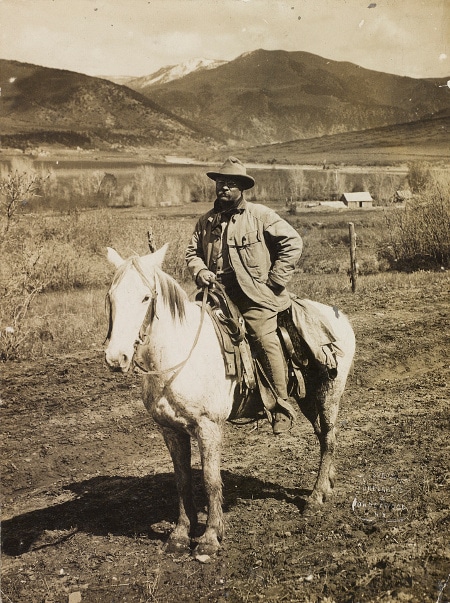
[
  {"x": 151, "y": 240},
  {"x": 353, "y": 272}
]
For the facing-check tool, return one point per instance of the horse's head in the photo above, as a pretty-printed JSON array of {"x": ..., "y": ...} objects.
[{"x": 131, "y": 295}]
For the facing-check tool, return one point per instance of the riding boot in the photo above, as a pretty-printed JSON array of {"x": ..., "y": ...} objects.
[{"x": 270, "y": 355}]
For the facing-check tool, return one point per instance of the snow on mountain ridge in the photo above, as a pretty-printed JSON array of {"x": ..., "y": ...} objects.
[{"x": 174, "y": 72}]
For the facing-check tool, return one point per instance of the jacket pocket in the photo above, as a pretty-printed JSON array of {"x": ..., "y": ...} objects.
[{"x": 251, "y": 251}]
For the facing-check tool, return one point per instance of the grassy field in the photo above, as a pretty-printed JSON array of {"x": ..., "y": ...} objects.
[
  {"x": 55, "y": 235},
  {"x": 56, "y": 274}
]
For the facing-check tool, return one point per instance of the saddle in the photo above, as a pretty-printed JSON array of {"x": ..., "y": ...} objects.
[
  {"x": 255, "y": 396},
  {"x": 230, "y": 330}
]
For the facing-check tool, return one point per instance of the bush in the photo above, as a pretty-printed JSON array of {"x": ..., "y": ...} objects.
[
  {"x": 55, "y": 253},
  {"x": 419, "y": 233},
  {"x": 200, "y": 189},
  {"x": 17, "y": 189},
  {"x": 419, "y": 176},
  {"x": 151, "y": 188}
]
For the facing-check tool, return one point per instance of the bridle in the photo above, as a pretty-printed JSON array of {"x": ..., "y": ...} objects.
[
  {"x": 144, "y": 331},
  {"x": 149, "y": 315},
  {"x": 143, "y": 335}
]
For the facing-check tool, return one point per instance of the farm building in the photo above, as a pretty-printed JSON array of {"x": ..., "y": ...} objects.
[{"x": 360, "y": 199}]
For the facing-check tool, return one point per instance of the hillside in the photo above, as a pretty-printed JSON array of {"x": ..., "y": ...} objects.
[
  {"x": 276, "y": 96},
  {"x": 39, "y": 105},
  {"x": 425, "y": 140},
  {"x": 262, "y": 98}
]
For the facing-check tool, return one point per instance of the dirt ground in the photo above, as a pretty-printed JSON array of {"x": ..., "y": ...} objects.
[{"x": 89, "y": 496}]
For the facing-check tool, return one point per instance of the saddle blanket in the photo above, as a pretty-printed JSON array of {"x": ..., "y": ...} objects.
[{"x": 316, "y": 331}]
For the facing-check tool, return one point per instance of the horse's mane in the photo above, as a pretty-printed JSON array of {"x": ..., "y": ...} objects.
[{"x": 171, "y": 292}]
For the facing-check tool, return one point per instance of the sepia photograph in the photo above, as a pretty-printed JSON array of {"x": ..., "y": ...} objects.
[{"x": 225, "y": 301}]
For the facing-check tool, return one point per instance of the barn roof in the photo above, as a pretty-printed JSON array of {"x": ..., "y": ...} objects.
[{"x": 359, "y": 196}]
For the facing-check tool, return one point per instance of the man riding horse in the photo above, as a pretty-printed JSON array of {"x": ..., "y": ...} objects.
[{"x": 252, "y": 253}]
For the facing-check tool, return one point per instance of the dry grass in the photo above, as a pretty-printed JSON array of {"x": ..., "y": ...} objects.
[
  {"x": 420, "y": 234},
  {"x": 54, "y": 275},
  {"x": 74, "y": 321}
]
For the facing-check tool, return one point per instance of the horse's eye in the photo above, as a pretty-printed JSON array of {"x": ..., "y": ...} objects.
[{"x": 146, "y": 299}]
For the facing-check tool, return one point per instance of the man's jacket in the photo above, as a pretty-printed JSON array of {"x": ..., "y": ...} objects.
[{"x": 261, "y": 246}]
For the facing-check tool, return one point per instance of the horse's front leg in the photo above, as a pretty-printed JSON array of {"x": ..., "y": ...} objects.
[
  {"x": 209, "y": 436},
  {"x": 179, "y": 445}
]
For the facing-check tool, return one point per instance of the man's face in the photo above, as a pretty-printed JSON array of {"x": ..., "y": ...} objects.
[{"x": 228, "y": 189}]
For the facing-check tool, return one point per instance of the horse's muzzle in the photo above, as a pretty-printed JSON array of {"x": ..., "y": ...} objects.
[{"x": 121, "y": 363}]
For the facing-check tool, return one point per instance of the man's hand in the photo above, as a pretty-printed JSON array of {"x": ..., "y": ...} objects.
[
  {"x": 275, "y": 287},
  {"x": 205, "y": 278}
]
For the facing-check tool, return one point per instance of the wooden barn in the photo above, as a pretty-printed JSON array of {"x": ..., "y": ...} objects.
[{"x": 359, "y": 199}]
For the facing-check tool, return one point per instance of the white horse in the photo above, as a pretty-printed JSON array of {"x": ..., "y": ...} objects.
[{"x": 186, "y": 388}]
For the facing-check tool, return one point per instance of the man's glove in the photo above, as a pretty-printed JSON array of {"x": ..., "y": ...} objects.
[{"x": 205, "y": 278}]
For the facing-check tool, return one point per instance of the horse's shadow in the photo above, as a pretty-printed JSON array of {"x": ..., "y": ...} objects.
[{"x": 127, "y": 506}]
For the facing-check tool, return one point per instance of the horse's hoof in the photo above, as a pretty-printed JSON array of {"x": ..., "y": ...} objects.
[
  {"x": 202, "y": 558},
  {"x": 178, "y": 546},
  {"x": 205, "y": 549},
  {"x": 312, "y": 507}
]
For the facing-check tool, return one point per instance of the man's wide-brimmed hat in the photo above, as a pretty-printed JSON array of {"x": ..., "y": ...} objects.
[{"x": 233, "y": 168}]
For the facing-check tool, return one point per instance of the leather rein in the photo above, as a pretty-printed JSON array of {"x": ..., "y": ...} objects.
[{"x": 143, "y": 337}]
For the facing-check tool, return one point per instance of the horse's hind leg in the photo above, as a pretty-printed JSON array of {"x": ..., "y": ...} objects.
[
  {"x": 322, "y": 410},
  {"x": 179, "y": 445},
  {"x": 325, "y": 429}
]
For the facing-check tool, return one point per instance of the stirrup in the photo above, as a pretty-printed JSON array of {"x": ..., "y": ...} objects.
[{"x": 287, "y": 407}]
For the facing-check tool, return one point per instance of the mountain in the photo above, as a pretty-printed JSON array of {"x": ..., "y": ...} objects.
[
  {"x": 424, "y": 140},
  {"x": 276, "y": 96},
  {"x": 260, "y": 98},
  {"x": 171, "y": 73},
  {"x": 40, "y": 104}
]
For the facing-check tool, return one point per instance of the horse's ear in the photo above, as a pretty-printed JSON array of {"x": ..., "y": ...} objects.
[
  {"x": 155, "y": 259},
  {"x": 114, "y": 257},
  {"x": 158, "y": 256}
]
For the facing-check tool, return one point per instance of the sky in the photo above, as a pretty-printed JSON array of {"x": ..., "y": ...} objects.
[{"x": 137, "y": 37}]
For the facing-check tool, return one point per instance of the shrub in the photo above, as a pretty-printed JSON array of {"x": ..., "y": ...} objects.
[
  {"x": 419, "y": 176},
  {"x": 17, "y": 189},
  {"x": 151, "y": 188},
  {"x": 382, "y": 186},
  {"x": 19, "y": 286},
  {"x": 200, "y": 189},
  {"x": 419, "y": 233},
  {"x": 64, "y": 253}
]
